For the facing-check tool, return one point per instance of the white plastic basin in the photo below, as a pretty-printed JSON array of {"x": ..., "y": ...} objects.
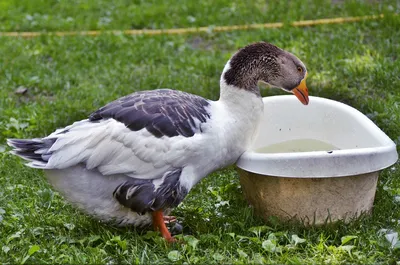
[
  {"x": 363, "y": 146},
  {"x": 314, "y": 186}
]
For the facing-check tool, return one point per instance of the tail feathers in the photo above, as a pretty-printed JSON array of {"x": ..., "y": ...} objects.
[{"x": 34, "y": 150}]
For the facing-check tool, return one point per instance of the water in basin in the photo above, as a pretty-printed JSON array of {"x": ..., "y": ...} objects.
[{"x": 298, "y": 145}]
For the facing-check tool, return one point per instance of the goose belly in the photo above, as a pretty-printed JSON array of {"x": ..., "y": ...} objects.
[{"x": 92, "y": 192}]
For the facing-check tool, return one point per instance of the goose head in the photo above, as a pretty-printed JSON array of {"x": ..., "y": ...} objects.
[{"x": 267, "y": 63}]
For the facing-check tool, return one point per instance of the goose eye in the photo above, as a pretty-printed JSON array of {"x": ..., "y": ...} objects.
[{"x": 299, "y": 69}]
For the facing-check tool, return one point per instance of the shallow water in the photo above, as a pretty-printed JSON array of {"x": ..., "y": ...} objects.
[{"x": 299, "y": 145}]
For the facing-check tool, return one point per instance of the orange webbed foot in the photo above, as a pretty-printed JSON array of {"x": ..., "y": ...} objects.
[{"x": 159, "y": 221}]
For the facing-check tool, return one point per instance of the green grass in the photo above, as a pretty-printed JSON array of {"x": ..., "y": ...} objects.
[
  {"x": 69, "y": 77},
  {"x": 42, "y": 15}
]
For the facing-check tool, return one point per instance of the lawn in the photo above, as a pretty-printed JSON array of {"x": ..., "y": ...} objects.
[{"x": 66, "y": 78}]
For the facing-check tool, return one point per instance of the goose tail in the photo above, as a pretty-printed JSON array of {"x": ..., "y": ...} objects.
[{"x": 33, "y": 150}]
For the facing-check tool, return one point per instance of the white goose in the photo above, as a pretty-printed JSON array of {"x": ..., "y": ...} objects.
[{"x": 136, "y": 158}]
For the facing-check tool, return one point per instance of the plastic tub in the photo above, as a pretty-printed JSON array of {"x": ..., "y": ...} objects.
[{"x": 282, "y": 176}]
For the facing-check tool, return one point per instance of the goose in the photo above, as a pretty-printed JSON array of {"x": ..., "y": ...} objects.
[{"x": 135, "y": 159}]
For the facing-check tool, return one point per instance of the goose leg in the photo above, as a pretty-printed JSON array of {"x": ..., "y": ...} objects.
[{"x": 158, "y": 224}]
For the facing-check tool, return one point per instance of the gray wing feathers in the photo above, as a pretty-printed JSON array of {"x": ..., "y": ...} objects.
[
  {"x": 142, "y": 195},
  {"x": 162, "y": 112}
]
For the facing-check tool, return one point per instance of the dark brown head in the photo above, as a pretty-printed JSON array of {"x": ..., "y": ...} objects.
[{"x": 265, "y": 62}]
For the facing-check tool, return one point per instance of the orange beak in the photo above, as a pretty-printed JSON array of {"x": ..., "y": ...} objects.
[{"x": 301, "y": 92}]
